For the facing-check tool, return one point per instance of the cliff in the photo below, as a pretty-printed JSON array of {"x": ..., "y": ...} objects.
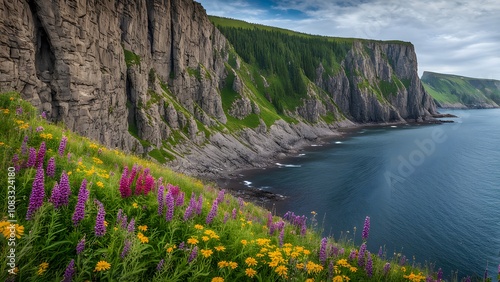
[
  {"x": 159, "y": 79},
  {"x": 454, "y": 91}
]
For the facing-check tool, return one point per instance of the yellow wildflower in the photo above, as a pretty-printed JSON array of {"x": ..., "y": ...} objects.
[
  {"x": 106, "y": 223},
  {"x": 205, "y": 238},
  {"x": 97, "y": 160},
  {"x": 170, "y": 249},
  {"x": 282, "y": 271},
  {"x": 310, "y": 280},
  {"x": 414, "y": 277},
  {"x": 220, "y": 248},
  {"x": 18, "y": 121},
  {"x": 6, "y": 231},
  {"x": 198, "y": 226},
  {"x": 222, "y": 264},
  {"x": 102, "y": 266},
  {"x": 69, "y": 173},
  {"x": 193, "y": 241},
  {"x": 5, "y": 111},
  {"x": 135, "y": 205},
  {"x": 250, "y": 261},
  {"x": 206, "y": 252},
  {"x": 217, "y": 279},
  {"x": 313, "y": 268},
  {"x": 300, "y": 266},
  {"x": 143, "y": 228},
  {"x": 115, "y": 228},
  {"x": 93, "y": 146},
  {"x": 11, "y": 98},
  {"x": 42, "y": 268},
  {"x": 403, "y": 268},
  {"x": 306, "y": 252},
  {"x": 24, "y": 126},
  {"x": 338, "y": 278},
  {"x": 233, "y": 264},
  {"x": 143, "y": 238},
  {"x": 250, "y": 272},
  {"x": 244, "y": 242},
  {"x": 353, "y": 269},
  {"x": 262, "y": 241},
  {"x": 99, "y": 184}
]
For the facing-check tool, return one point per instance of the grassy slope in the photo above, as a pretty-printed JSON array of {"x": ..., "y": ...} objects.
[
  {"x": 452, "y": 89},
  {"x": 224, "y": 251}
]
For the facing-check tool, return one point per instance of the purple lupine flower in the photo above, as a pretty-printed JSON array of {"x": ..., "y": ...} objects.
[
  {"x": 331, "y": 269},
  {"x": 193, "y": 255},
  {"x": 100, "y": 228},
  {"x": 380, "y": 252},
  {"x": 169, "y": 202},
  {"x": 24, "y": 145},
  {"x": 31, "y": 157},
  {"x": 199, "y": 205},
  {"x": 429, "y": 279},
  {"x": 64, "y": 189},
  {"x": 83, "y": 195},
  {"x": 220, "y": 196},
  {"x": 69, "y": 272},
  {"x": 80, "y": 246},
  {"x": 180, "y": 200},
  {"x": 341, "y": 252},
  {"x": 233, "y": 213},
  {"x": 119, "y": 216},
  {"x": 51, "y": 167},
  {"x": 226, "y": 217},
  {"x": 131, "y": 226},
  {"x": 159, "y": 266},
  {"x": 369, "y": 264},
  {"x": 62, "y": 145},
  {"x": 190, "y": 208},
  {"x": 132, "y": 175},
  {"x": 281, "y": 237},
  {"x": 269, "y": 220},
  {"x": 303, "y": 229},
  {"x": 159, "y": 199},
  {"x": 271, "y": 229},
  {"x": 55, "y": 197},
  {"x": 440, "y": 275},
  {"x": 213, "y": 212},
  {"x": 241, "y": 203},
  {"x": 366, "y": 229},
  {"x": 126, "y": 249},
  {"x": 37, "y": 193},
  {"x": 361, "y": 255},
  {"x": 486, "y": 273},
  {"x": 387, "y": 267},
  {"x": 149, "y": 183},
  {"x": 124, "y": 222},
  {"x": 322, "y": 250},
  {"x": 352, "y": 255},
  {"x": 15, "y": 162},
  {"x": 19, "y": 111},
  {"x": 39, "y": 129},
  {"x": 125, "y": 184},
  {"x": 402, "y": 261},
  {"x": 44, "y": 115},
  {"x": 41, "y": 154},
  {"x": 181, "y": 246}
]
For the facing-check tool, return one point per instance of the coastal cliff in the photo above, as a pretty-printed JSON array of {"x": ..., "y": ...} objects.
[{"x": 159, "y": 79}]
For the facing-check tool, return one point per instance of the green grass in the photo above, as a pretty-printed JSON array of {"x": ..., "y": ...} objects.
[
  {"x": 131, "y": 59},
  {"x": 234, "y": 244}
]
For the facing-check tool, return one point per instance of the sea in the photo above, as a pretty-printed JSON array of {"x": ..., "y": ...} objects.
[{"x": 432, "y": 192}]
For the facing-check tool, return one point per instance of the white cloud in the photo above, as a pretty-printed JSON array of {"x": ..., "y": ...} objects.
[{"x": 459, "y": 37}]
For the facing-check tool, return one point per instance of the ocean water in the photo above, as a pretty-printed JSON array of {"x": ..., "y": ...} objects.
[{"x": 432, "y": 192}]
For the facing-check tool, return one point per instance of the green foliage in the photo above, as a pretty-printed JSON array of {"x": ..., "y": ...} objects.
[
  {"x": 194, "y": 72},
  {"x": 131, "y": 59}
]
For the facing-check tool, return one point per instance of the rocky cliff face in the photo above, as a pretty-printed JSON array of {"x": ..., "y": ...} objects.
[{"x": 156, "y": 77}]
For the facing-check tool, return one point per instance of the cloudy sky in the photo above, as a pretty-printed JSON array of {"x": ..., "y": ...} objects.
[{"x": 450, "y": 36}]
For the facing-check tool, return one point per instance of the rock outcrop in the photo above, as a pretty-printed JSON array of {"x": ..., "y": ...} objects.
[{"x": 157, "y": 75}]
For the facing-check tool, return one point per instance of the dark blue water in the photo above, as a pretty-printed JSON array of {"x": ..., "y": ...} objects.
[{"x": 431, "y": 191}]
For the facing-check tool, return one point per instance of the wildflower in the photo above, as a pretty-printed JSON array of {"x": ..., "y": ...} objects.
[
  {"x": 44, "y": 115},
  {"x": 37, "y": 193},
  {"x": 102, "y": 266},
  {"x": 40, "y": 128},
  {"x": 83, "y": 195},
  {"x": 124, "y": 184},
  {"x": 135, "y": 205},
  {"x": 51, "y": 167},
  {"x": 233, "y": 213},
  {"x": 198, "y": 226},
  {"x": 338, "y": 278},
  {"x": 131, "y": 226},
  {"x": 192, "y": 241},
  {"x": 42, "y": 268},
  {"x": 250, "y": 261},
  {"x": 31, "y": 157},
  {"x": 142, "y": 228},
  {"x": 205, "y": 238},
  {"x": 402, "y": 261},
  {"x": 19, "y": 111},
  {"x": 100, "y": 227},
  {"x": 244, "y": 242},
  {"x": 380, "y": 252},
  {"x": 213, "y": 212},
  {"x": 403, "y": 269},
  {"x": 217, "y": 279},
  {"x": 126, "y": 249},
  {"x": 220, "y": 248},
  {"x": 62, "y": 145},
  {"x": 222, "y": 264},
  {"x": 159, "y": 199},
  {"x": 250, "y": 272},
  {"x": 191, "y": 207},
  {"x": 69, "y": 272},
  {"x": 281, "y": 236},
  {"x": 64, "y": 190},
  {"x": 181, "y": 246},
  {"x": 5, "y": 229},
  {"x": 41, "y": 154},
  {"x": 369, "y": 265},
  {"x": 322, "y": 250},
  {"x": 281, "y": 270},
  {"x": 169, "y": 202},
  {"x": 206, "y": 252},
  {"x": 366, "y": 229},
  {"x": 361, "y": 255},
  {"x": 80, "y": 247},
  {"x": 159, "y": 266},
  {"x": 55, "y": 196},
  {"x": 199, "y": 204},
  {"x": 232, "y": 264},
  {"x": 193, "y": 255},
  {"x": 24, "y": 145},
  {"x": 179, "y": 201}
]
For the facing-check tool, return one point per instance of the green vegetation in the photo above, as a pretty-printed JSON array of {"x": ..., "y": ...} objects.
[
  {"x": 138, "y": 222},
  {"x": 131, "y": 59},
  {"x": 453, "y": 89}
]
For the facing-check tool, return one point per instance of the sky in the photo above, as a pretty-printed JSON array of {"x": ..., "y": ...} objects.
[{"x": 450, "y": 36}]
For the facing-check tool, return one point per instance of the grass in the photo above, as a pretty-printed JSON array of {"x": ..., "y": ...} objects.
[
  {"x": 224, "y": 239},
  {"x": 131, "y": 59}
]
